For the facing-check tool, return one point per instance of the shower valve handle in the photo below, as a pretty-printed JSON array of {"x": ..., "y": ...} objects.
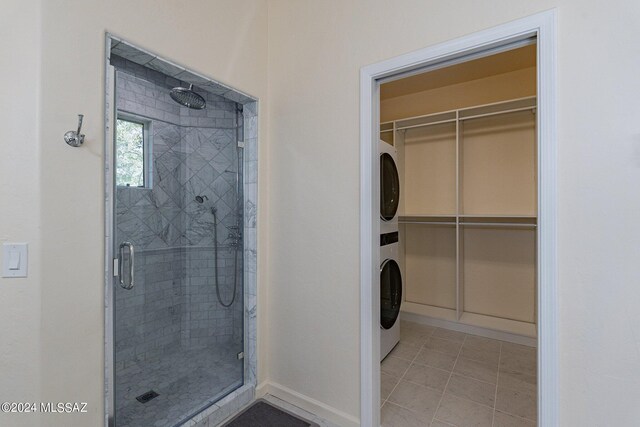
[{"x": 75, "y": 138}]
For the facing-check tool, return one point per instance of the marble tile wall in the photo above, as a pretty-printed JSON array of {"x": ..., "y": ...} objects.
[
  {"x": 174, "y": 304},
  {"x": 123, "y": 49},
  {"x": 250, "y": 206},
  {"x": 150, "y": 316},
  {"x": 228, "y": 406},
  {"x": 153, "y": 70},
  {"x": 207, "y": 322},
  {"x": 189, "y": 160}
]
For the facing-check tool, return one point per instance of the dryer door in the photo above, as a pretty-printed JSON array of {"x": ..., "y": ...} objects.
[
  {"x": 389, "y": 187},
  {"x": 390, "y": 293}
]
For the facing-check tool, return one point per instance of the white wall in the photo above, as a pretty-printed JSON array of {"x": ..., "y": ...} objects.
[
  {"x": 52, "y": 339},
  {"x": 316, "y": 50},
  {"x": 53, "y": 68},
  {"x": 20, "y": 201}
]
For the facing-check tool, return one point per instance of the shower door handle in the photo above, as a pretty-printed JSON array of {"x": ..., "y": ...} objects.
[{"x": 121, "y": 264}]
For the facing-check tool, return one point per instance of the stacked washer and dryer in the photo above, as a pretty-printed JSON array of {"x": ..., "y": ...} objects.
[{"x": 390, "y": 274}]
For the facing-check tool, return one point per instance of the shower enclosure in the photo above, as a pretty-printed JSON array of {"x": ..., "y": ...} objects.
[{"x": 178, "y": 245}]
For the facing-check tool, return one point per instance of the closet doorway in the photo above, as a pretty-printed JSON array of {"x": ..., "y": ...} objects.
[
  {"x": 472, "y": 122},
  {"x": 467, "y": 158}
]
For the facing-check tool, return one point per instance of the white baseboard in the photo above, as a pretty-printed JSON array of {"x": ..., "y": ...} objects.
[
  {"x": 262, "y": 389},
  {"x": 469, "y": 329},
  {"x": 308, "y": 404}
]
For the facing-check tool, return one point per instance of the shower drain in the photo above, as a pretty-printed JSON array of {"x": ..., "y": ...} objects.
[{"x": 145, "y": 397}]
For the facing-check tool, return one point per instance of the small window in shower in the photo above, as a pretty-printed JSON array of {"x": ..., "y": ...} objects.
[{"x": 133, "y": 166}]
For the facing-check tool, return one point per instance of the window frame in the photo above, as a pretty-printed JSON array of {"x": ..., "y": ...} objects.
[{"x": 147, "y": 146}]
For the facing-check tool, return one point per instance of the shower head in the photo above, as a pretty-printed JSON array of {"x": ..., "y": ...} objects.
[{"x": 188, "y": 98}]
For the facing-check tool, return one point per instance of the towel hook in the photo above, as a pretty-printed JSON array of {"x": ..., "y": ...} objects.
[{"x": 75, "y": 138}]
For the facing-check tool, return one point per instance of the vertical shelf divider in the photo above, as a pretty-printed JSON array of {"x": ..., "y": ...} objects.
[
  {"x": 393, "y": 134},
  {"x": 398, "y": 143},
  {"x": 537, "y": 213},
  {"x": 459, "y": 271}
]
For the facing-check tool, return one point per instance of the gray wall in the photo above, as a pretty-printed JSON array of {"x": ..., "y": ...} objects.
[{"x": 173, "y": 305}]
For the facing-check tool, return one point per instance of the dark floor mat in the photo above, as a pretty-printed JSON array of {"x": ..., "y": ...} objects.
[{"x": 263, "y": 414}]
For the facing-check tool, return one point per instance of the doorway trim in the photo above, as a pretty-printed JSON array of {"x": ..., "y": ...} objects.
[{"x": 543, "y": 26}]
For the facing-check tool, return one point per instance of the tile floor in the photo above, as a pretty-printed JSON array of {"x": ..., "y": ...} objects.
[
  {"x": 187, "y": 381},
  {"x": 436, "y": 377}
]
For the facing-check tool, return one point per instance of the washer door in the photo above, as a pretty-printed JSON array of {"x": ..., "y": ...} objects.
[
  {"x": 389, "y": 187},
  {"x": 390, "y": 293}
]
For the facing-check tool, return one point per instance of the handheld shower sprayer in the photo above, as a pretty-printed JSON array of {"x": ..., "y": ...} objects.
[{"x": 201, "y": 199}]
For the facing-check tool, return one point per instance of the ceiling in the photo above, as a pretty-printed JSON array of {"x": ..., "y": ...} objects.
[{"x": 505, "y": 62}]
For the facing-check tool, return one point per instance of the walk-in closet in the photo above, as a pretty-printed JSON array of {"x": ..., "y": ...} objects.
[
  {"x": 468, "y": 209},
  {"x": 464, "y": 139}
]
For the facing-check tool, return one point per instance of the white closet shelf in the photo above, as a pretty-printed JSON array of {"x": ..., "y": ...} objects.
[
  {"x": 408, "y": 216},
  {"x": 468, "y": 113},
  {"x": 428, "y": 219},
  {"x": 524, "y": 221},
  {"x": 516, "y": 216},
  {"x": 468, "y": 243},
  {"x": 498, "y": 221},
  {"x": 498, "y": 224}
]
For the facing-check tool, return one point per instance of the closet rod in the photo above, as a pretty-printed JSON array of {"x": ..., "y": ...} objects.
[
  {"x": 499, "y": 224},
  {"x": 495, "y": 113},
  {"x": 427, "y": 222},
  {"x": 476, "y": 116},
  {"x": 439, "y": 122}
]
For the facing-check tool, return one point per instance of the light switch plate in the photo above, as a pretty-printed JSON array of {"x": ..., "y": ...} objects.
[{"x": 15, "y": 259}]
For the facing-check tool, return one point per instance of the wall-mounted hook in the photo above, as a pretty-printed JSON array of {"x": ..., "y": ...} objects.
[{"x": 75, "y": 138}]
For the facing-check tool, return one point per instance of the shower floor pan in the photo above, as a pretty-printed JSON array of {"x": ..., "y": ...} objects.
[{"x": 186, "y": 382}]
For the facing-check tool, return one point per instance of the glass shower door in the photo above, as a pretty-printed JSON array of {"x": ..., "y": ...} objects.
[{"x": 178, "y": 295}]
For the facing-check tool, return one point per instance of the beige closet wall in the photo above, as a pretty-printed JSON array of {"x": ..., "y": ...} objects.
[
  {"x": 498, "y": 163},
  {"x": 316, "y": 50},
  {"x": 501, "y": 87},
  {"x": 428, "y": 172}
]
